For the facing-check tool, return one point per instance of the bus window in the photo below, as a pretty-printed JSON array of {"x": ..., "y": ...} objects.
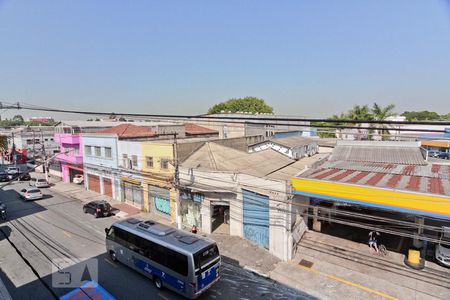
[
  {"x": 177, "y": 262},
  {"x": 205, "y": 256}
]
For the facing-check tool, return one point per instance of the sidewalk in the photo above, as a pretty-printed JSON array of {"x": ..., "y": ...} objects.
[{"x": 326, "y": 267}]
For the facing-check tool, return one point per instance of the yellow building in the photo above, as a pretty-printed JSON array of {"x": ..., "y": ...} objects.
[{"x": 158, "y": 171}]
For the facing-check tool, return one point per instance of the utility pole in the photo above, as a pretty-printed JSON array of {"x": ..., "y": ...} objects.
[
  {"x": 13, "y": 148},
  {"x": 34, "y": 147},
  {"x": 44, "y": 155},
  {"x": 176, "y": 180}
]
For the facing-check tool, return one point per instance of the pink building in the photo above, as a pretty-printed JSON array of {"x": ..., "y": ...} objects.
[{"x": 71, "y": 156}]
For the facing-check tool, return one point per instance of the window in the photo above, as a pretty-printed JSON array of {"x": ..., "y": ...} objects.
[
  {"x": 125, "y": 160},
  {"x": 134, "y": 160},
  {"x": 88, "y": 150},
  {"x": 164, "y": 163},
  {"x": 76, "y": 150},
  {"x": 177, "y": 262},
  {"x": 149, "y": 160},
  {"x": 98, "y": 151},
  {"x": 108, "y": 153},
  {"x": 205, "y": 256}
]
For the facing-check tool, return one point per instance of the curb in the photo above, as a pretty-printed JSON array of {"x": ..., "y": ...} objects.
[{"x": 256, "y": 272}]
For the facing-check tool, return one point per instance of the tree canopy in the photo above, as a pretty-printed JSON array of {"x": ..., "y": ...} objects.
[
  {"x": 246, "y": 104},
  {"x": 424, "y": 115}
]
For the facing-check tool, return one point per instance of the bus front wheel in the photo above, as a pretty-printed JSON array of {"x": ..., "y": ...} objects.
[{"x": 158, "y": 283}]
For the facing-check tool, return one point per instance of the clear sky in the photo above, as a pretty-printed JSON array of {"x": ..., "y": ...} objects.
[{"x": 312, "y": 58}]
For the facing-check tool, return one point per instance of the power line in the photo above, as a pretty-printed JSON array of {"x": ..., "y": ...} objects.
[{"x": 219, "y": 117}]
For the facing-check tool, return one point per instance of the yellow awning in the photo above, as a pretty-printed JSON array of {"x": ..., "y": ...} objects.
[{"x": 402, "y": 201}]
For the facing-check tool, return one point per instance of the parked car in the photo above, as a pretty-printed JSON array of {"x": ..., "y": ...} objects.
[
  {"x": 99, "y": 208},
  {"x": 12, "y": 170},
  {"x": 442, "y": 252},
  {"x": 444, "y": 155},
  {"x": 39, "y": 182},
  {"x": 78, "y": 179},
  {"x": 24, "y": 177},
  {"x": 3, "y": 176},
  {"x": 31, "y": 194}
]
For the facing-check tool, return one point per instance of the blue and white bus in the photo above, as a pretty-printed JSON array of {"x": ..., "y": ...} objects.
[{"x": 185, "y": 263}]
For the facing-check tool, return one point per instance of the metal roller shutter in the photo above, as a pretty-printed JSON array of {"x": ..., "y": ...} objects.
[
  {"x": 107, "y": 184},
  {"x": 94, "y": 183},
  {"x": 256, "y": 218}
]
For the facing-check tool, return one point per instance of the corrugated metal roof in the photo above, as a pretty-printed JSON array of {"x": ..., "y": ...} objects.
[
  {"x": 430, "y": 178},
  {"x": 378, "y": 154}
]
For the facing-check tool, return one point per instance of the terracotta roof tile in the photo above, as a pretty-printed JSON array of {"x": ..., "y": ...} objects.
[
  {"x": 191, "y": 128},
  {"x": 129, "y": 131}
]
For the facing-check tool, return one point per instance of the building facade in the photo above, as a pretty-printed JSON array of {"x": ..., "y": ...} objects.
[{"x": 70, "y": 156}]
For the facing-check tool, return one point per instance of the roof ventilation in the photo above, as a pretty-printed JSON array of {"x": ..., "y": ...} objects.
[
  {"x": 155, "y": 228},
  {"x": 133, "y": 221},
  {"x": 186, "y": 239}
]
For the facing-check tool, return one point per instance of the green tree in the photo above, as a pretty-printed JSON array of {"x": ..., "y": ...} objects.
[
  {"x": 18, "y": 119},
  {"x": 423, "y": 115},
  {"x": 359, "y": 113},
  {"x": 380, "y": 113},
  {"x": 246, "y": 104}
]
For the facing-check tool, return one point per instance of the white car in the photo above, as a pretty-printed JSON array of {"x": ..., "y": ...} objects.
[
  {"x": 31, "y": 194},
  {"x": 12, "y": 170},
  {"x": 442, "y": 252},
  {"x": 78, "y": 179},
  {"x": 41, "y": 183}
]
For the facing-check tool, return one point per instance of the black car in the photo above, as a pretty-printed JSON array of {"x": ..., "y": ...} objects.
[
  {"x": 25, "y": 177},
  {"x": 99, "y": 208},
  {"x": 3, "y": 177}
]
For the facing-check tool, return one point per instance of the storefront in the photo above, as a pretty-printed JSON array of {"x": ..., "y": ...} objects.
[
  {"x": 190, "y": 208},
  {"x": 132, "y": 192},
  {"x": 160, "y": 200}
]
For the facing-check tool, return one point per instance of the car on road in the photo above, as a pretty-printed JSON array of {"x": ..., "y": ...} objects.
[
  {"x": 39, "y": 182},
  {"x": 99, "y": 208},
  {"x": 25, "y": 177},
  {"x": 78, "y": 179},
  {"x": 31, "y": 194},
  {"x": 3, "y": 176}
]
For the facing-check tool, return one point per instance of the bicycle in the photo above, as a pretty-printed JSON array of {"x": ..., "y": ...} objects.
[{"x": 382, "y": 251}]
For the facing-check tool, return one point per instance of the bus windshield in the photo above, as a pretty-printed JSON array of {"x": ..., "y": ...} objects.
[{"x": 205, "y": 256}]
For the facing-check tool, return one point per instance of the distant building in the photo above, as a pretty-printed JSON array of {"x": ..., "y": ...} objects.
[
  {"x": 231, "y": 128},
  {"x": 42, "y": 119},
  {"x": 295, "y": 147}
]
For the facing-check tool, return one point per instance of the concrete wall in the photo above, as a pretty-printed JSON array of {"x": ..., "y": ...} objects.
[
  {"x": 101, "y": 141},
  {"x": 280, "y": 216},
  {"x": 130, "y": 148}
]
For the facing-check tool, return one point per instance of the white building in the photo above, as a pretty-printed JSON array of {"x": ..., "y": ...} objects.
[{"x": 242, "y": 194}]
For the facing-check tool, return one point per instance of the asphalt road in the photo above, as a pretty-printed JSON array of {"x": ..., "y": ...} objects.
[{"x": 54, "y": 230}]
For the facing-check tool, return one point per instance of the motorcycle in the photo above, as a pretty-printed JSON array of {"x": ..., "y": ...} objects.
[{"x": 3, "y": 214}]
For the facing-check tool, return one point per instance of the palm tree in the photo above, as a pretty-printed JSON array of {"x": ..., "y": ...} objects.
[
  {"x": 381, "y": 114},
  {"x": 360, "y": 113}
]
